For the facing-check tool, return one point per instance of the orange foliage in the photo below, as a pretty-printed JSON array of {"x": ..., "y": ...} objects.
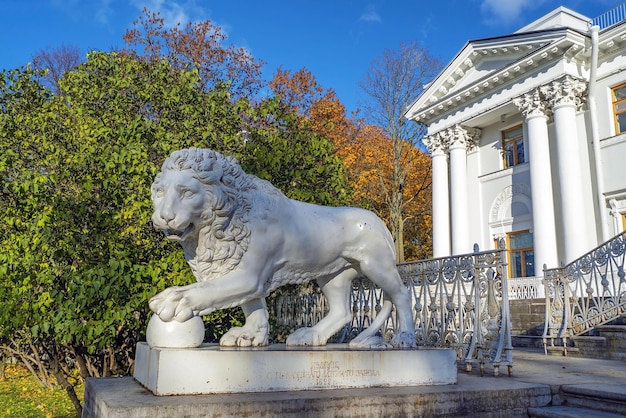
[
  {"x": 367, "y": 153},
  {"x": 369, "y": 163},
  {"x": 298, "y": 91}
]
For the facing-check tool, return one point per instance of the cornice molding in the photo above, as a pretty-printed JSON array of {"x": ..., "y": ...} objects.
[{"x": 446, "y": 96}]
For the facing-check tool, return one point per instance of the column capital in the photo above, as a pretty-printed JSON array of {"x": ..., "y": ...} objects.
[
  {"x": 567, "y": 91},
  {"x": 460, "y": 136},
  {"x": 531, "y": 104},
  {"x": 436, "y": 143},
  {"x": 456, "y": 136}
]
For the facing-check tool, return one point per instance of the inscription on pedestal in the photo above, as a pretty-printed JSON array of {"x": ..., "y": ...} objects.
[
  {"x": 209, "y": 369},
  {"x": 323, "y": 373}
]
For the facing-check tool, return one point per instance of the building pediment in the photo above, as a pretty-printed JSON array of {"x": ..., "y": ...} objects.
[{"x": 482, "y": 66}]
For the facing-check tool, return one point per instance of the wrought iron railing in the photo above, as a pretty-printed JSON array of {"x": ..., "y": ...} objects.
[
  {"x": 459, "y": 302},
  {"x": 526, "y": 288},
  {"x": 590, "y": 291},
  {"x": 611, "y": 17}
]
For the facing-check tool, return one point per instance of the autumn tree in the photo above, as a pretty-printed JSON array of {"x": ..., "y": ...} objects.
[
  {"x": 366, "y": 153},
  {"x": 56, "y": 62},
  {"x": 297, "y": 90},
  {"x": 320, "y": 109},
  {"x": 285, "y": 146},
  {"x": 199, "y": 45},
  {"x": 391, "y": 84}
]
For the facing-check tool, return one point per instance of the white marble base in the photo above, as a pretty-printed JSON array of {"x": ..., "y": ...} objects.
[{"x": 210, "y": 369}]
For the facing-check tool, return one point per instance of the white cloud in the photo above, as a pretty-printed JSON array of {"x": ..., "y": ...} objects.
[
  {"x": 173, "y": 12},
  {"x": 502, "y": 12},
  {"x": 104, "y": 12},
  {"x": 370, "y": 15}
]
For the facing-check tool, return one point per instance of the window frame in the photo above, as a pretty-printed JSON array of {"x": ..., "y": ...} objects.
[
  {"x": 521, "y": 251},
  {"x": 614, "y": 103},
  {"x": 504, "y": 141}
]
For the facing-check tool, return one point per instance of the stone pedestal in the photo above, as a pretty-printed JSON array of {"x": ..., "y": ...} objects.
[{"x": 214, "y": 370}]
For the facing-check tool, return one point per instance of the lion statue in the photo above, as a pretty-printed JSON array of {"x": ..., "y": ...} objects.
[{"x": 243, "y": 238}]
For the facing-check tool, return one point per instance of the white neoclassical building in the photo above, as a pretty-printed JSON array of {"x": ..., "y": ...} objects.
[{"x": 527, "y": 133}]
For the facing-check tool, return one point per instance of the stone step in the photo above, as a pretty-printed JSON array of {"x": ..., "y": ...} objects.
[
  {"x": 621, "y": 356},
  {"x": 608, "y": 398},
  {"x": 568, "y": 412},
  {"x": 592, "y": 346},
  {"x": 620, "y": 320},
  {"x": 473, "y": 396},
  {"x": 559, "y": 350},
  {"x": 617, "y": 346},
  {"x": 612, "y": 328},
  {"x": 527, "y": 341}
]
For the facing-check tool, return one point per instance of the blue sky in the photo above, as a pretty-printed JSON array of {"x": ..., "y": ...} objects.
[{"x": 334, "y": 39}]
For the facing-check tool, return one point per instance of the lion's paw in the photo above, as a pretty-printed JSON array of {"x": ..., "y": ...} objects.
[
  {"x": 174, "y": 303},
  {"x": 374, "y": 342},
  {"x": 404, "y": 339},
  {"x": 242, "y": 337},
  {"x": 306, "y": 336}
]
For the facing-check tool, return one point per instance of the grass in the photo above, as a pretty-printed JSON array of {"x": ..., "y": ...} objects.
[{"x": 21, "y": 396}]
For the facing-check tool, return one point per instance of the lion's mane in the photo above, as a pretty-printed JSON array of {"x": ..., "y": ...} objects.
[{"x": 233, "y": 198}]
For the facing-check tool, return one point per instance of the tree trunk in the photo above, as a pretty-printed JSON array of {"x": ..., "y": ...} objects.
[
  {"x": 2, "y": 366},
  {"x": 69, "y": 389},
  {"x": 82, "y": 366}
]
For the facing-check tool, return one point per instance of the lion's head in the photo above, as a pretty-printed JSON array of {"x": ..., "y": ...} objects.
[{"x": 203, "y": 200}]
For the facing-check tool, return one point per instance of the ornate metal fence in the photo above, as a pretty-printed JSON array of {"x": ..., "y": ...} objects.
[
  {"x": 526, "y": 288},
  {"x": 459, "y": 302},
  {"x": 590, "y": 291}
]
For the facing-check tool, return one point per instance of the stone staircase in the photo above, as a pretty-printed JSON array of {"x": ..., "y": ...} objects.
[
  {"x": 584, "y": 401},
  {"x": 607, "y": 342}
]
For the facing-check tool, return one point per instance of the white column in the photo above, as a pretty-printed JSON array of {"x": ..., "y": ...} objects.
[
  {"x": 440, "y": 195},
  {"x": 544, "y": 230},
  {"x": 461, "y": 138},
  {"x": 565, "y": 96}
]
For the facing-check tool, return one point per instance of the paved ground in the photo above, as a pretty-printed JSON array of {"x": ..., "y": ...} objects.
[{"x": 553, "y": 369}]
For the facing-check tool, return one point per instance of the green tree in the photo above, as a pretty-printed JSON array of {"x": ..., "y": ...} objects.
[
  {"x": 283, "y": 148},
  {"x": 78, "y": 254},
  {"x": 79, "y": 257}
]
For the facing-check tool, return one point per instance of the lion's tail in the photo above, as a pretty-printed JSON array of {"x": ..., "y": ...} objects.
[{"x": 368, "y": 337}]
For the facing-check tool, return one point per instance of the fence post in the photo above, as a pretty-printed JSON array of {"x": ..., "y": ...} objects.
[{"x": 506, "y": 312}]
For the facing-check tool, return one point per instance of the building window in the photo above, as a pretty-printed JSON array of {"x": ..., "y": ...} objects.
[
  {"x": 619, "y": 108},
  {"x": 521, "y": 254},
  {"x": 624, "y": 221},
  {"x": 513, "y": 146}
]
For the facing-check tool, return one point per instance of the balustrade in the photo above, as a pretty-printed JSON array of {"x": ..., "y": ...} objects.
[
  {"x": 460, "y": 302},
  {"x": 521, "y": 288},
  {"x": 588, "y": 292},
  {"x": 611, "y": 17}
]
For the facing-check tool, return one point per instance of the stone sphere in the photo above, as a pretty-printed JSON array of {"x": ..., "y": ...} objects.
[{"x": 174, "y": 334}]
